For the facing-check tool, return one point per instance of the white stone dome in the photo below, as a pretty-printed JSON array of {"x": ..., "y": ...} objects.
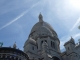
[{"x": 41, "y": 23}]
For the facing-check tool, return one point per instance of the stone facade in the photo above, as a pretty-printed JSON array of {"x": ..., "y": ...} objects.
[{"x": 43, "y": 44}]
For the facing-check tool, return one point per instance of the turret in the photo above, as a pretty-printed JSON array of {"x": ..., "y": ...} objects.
[
  {"x": 70, "y": 45},
  {"x": 40, "y": 18},
  {"x": 14, "y": 46}
]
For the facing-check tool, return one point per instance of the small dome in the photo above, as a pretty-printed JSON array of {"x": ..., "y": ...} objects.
[{"x": 30, "y": 40}]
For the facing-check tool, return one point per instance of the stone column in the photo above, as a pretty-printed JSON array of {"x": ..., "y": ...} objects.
[{"x": 39, "y": 45}]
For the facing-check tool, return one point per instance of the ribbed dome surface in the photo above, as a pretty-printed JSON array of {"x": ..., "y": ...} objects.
[
  {"x": 44, "y": 24},
  {"x": 37, "y": 31},
  {"x": 39, "y": 24}
]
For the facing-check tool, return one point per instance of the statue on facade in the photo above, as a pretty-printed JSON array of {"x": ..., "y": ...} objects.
[{"x": 1, "y": 44}]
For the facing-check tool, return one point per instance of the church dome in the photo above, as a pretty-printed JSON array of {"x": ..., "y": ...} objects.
[
  {"x": 45, "y": 24},
  {"x": 41, "y": 23}
]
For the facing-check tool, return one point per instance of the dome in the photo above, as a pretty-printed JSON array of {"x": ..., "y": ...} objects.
[
  {"x": 39, "y": 24},
  {"x": 30, "y": 40},
  {"x": 44, "y": 24}
]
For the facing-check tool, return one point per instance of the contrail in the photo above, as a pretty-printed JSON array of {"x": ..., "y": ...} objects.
[
  {"x": 21, "y": 15},
  {"x": 75, "y": 24},
  {"x": 13, "y": 20}
]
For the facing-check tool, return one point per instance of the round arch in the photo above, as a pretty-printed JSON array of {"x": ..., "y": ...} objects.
[{"x": 55, "y": 58}]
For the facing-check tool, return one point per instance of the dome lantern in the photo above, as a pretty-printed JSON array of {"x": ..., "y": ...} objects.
[{"x": 40, "y": 18}]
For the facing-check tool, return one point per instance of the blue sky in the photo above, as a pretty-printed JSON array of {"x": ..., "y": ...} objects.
[{"x": 17, "y": 18}]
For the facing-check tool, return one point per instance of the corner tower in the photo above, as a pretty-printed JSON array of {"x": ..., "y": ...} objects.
[{"x": 42, "y": 33}]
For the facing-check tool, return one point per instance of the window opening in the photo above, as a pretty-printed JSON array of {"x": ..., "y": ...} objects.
[
  {"x": 45, "y": 41},
  {"x": 41, "y": 42},
  {"x": 68, "y": 48},
  {"x": 32, "y": 48},
  {"x": 52, "y": 44}
]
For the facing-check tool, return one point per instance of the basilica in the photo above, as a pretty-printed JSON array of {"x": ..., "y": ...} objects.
[{"x": 43, "y": 44}]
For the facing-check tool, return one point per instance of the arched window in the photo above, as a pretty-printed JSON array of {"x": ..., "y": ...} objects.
[
  {"x": 46, "y": 41},
  {"x": 37, "y": 46},
  {"x": 41, "y": 42},
  {"x": 19, "y": 59},
  {"x": 52, "y": 44},
  {"x": 68, "y": 48},
  {"x": 16, "y": 58},
  {"x": 32, "y": 48}
]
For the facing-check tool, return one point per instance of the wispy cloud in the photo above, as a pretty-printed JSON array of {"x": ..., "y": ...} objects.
[
  {"x": 77, "y": 35},
  {"x": 17, "y": 18},
  {"x": 75, "y": 24}
]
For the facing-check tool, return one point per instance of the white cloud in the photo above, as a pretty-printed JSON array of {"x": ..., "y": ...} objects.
[{"x": 75, "y": 24}]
